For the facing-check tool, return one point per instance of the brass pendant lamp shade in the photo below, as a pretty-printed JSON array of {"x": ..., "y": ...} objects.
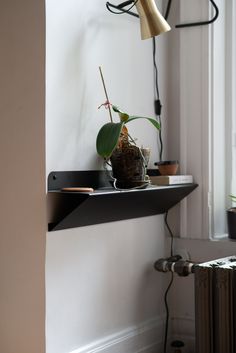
[{"x": 151, "y": 21}]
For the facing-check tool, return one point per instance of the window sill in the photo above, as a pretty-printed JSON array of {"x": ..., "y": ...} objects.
[{"x": 223, "y": 237}]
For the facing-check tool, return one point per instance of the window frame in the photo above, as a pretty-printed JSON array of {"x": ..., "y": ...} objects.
[
  {"x": 194, "y": 118},
  {"x": 223, "y": 105},
  {"x": 206, "y": 95}
]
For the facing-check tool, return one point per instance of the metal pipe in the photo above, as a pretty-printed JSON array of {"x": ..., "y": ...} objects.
[{"x": 175, "y": 264}]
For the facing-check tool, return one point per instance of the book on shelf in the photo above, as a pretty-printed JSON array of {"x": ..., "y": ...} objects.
[{"x": 171, "y": 179}]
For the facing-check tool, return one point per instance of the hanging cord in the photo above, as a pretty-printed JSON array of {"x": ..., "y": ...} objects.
[
  {"x": 202, "y": 23},
  {"x": 169, "y": 285},
  {"x": 168, "y": 9},
  {"x": 157, "y": 101},
  {"x": 167, "y": 312},
  {"x": 120, "y": 8},
  {"x": 171, "y": 234}
]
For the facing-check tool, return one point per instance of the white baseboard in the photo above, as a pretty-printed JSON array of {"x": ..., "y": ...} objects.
[{"x": 144, "y": 338}]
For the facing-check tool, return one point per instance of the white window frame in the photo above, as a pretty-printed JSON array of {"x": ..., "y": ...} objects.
[
  {"x": 222, "y": 112},
  {"x": 194, "y": 117},
  {"x": 206, "y": 92}
]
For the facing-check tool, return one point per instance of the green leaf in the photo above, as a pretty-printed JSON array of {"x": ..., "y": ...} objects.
[
  {"x": 152, "y": 121},
  {"x": 124, "y": 117},
  {"x": 107, "y": 138},
  {"x": 116, "y": 109}
]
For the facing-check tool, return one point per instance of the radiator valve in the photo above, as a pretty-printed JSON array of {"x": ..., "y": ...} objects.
[{"x": 175, "y": 264}]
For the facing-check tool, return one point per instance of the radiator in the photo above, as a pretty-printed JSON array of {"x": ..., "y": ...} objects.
[{"x": 215, "y": 306}]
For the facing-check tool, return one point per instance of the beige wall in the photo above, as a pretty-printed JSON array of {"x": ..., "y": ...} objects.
[{"x": 22, "y": 175}]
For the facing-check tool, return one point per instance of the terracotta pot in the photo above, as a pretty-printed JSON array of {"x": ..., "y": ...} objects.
[
  {"x": 168, "y": 167},
  {"x": 231, "y": 222}
]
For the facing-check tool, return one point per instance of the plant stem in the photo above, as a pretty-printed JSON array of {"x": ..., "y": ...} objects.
[
  {"x": 104, "y": 86},
  {"x": 132, "y": 140}
]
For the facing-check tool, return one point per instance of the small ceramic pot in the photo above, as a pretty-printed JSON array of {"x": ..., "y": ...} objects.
[
  {"x": 168, "y": 167},
  {"x": 231, "y": 222}
]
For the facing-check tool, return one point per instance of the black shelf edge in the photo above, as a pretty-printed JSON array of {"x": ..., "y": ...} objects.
[{"x": 74, "y": 209}]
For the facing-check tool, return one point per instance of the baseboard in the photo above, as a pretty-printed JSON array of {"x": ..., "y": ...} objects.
[{"x": 144, "y": 338}]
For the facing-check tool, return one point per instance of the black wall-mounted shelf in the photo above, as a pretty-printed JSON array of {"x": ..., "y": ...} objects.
[{"x": 105, "y": 204}]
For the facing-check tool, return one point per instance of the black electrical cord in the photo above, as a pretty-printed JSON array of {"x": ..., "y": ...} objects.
[
  {"x": 170, "y": 232},
  {"x": 168, "y": 9},
  {"x": 169, "y": 285},
  {"x": 158, "y": 113},
  {"x": 158, "y": 105},
  {"x": 120, "y": 7},
  {"x": 202, "y": 23},
  {"x": 155, "y": 68},
  {"x": 167, "y": 312}
]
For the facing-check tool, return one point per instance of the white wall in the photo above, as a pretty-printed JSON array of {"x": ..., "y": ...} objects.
[
  {"x": 100, "y": 279},
  {"x": 22, "y": 177},
  {"x": 80, "y": 37}
]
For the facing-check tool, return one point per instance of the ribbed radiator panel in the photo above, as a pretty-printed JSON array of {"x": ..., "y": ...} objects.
[{"x": 215, "y": 306}]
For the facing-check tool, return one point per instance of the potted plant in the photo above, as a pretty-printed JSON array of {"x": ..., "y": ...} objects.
[
  {"x": 115, "y": 145},
  {"x": 231, "y": 219}
]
